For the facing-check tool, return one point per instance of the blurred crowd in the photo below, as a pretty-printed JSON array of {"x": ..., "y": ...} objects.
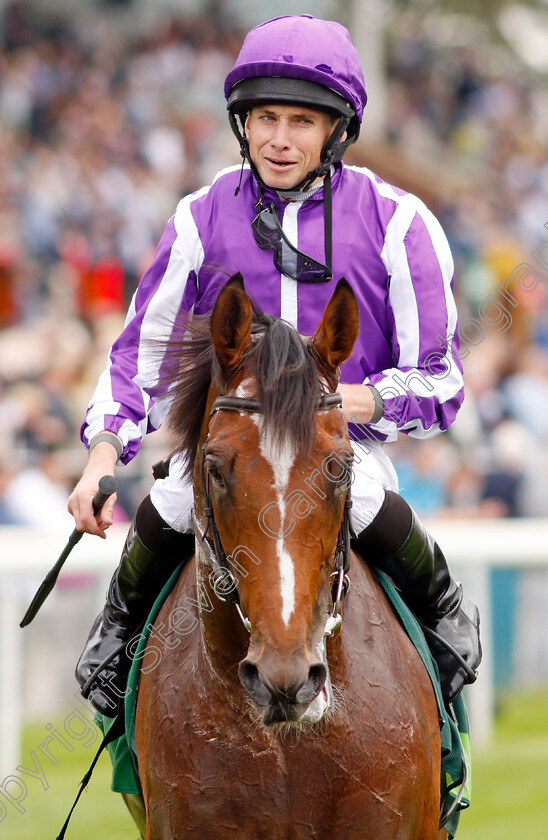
[
  {"x": 483, "y": 119},
  {"x": 100, "y": 137}
]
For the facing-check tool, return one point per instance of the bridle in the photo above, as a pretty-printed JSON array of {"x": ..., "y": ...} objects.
[{"x": 222, "y": 577}]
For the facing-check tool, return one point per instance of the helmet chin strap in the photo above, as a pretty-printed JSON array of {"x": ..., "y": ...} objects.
[{"x": 332, "y": 151}]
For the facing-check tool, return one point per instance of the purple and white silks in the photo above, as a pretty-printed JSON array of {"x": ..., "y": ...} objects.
[{"x": 386, "y": 243}]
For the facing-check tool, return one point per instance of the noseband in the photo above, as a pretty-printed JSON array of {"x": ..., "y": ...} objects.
[{"x": 222, "y": 578}]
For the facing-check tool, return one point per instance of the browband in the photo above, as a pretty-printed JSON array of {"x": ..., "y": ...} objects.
[{"x": 233, "y": 403}]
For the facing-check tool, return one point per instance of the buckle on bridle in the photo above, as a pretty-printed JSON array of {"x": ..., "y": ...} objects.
[
  {"x": 340, "y": 581},
  {"x": 339, "y": 590}
]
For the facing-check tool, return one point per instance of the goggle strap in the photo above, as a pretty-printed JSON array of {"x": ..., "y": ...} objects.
[
  {"x": 259, "y": 203},
  {"x": 238, "y": 188},
  {"x": 327, "y": 220}
]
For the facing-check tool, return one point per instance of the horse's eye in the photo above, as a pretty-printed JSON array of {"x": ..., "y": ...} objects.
[
  {"x": 339, "y": 471},
  {"x": 216, "y": 475},
  {"x": 347, "y": 477},
  {"x": 342, "y": 481}
]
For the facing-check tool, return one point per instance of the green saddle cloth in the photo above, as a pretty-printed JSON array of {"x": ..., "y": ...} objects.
[{"x": 454, "y": 725}]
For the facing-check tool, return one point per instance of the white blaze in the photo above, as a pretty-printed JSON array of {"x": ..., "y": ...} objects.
[
  {"x": 281, "y": 458},
  {"x": 287, "y": 583}
]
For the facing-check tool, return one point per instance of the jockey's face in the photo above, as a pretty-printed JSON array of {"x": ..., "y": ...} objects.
[{"x": 285, "y": 142}]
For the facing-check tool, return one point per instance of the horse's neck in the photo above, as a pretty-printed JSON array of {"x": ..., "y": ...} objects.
[
  {"x": 362, "y": 612},
  {"x": 224, "y": 637}
]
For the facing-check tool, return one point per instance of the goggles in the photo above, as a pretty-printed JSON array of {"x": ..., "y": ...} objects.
[{"x": 288, "y": 260}]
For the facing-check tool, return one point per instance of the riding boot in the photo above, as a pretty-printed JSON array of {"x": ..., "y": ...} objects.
[
  {"x": 131, "y": 594},
  {"x": 397, "y": 543}
]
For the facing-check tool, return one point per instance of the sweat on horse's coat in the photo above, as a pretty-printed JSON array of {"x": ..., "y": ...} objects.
[
  {"x": 455, "y": 743},
  {"x": 223, "y": 747}
]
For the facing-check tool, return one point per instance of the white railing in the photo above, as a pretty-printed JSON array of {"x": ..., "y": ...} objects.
[
  {"x": 472, "y": 548},
  {"x": 27, "y": 554}
]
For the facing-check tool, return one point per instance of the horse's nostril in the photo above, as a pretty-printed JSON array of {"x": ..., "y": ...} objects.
[
  {"x": 316, "y": 678},
  {"x": 248, "y": 673},
  {"x": 317, "y": 675},
  {"x": 251, "y": 681},
  {"x": 268, "y": 691}
]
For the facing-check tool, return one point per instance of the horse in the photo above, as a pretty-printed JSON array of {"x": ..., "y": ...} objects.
[{"x": 270, "y": 717}]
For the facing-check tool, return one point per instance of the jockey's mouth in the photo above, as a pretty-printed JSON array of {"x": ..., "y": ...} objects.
[{"x": 282, "y": 163}]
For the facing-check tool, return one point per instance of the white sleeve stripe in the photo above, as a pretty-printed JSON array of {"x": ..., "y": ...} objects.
[
  {"x": 403, "y": 300},
  {"x": 419, "y": 431},
  {"x": 396, "y": 230},
  {"x": 445, "y": 259},
  {"x": 401, "y": 292},
  {"x": 101, "y": 400},
  {"x": 446, "y": 387},
  {"x": 443, "y": 386},
  {"x": 165, "y": 304},
  {"x": 129, "y": 431}
]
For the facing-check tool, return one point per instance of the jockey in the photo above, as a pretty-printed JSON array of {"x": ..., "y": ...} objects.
[{"x": 294, "y": 219}]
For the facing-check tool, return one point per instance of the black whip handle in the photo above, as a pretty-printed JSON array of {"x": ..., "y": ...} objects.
[{"x": 107, "y": 486}]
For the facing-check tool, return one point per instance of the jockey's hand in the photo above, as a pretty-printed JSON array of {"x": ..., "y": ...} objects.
[
  {"x": 357, "y": 402},
  {"x": 102, "y": 461}
]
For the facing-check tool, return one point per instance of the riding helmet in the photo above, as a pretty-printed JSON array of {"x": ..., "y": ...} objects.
[{"x": 301, "y": 60}]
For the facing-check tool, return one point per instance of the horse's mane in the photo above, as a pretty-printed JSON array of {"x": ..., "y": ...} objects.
[{"x": 285, "y": 370}]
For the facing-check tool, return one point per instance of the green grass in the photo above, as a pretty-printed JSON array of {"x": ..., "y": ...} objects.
[
  {"x": 509, "y": 796},
  {"x": 509, "y": 792},
  {"x": 99, "y": 814}
]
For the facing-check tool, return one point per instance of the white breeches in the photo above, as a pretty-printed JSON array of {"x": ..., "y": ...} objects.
[{"x": 373, "y": 473}]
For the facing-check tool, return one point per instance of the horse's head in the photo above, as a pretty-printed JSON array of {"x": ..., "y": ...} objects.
[{"x": 274, "y": 471}]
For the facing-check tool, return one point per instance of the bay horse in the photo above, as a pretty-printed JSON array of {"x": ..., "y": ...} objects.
[{"x": 266, "y": 720}]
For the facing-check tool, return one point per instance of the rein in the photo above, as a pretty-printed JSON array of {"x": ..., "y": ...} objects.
[{"x": 223, "y": 581}]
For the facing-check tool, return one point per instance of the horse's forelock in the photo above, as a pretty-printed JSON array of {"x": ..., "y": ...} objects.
[
  {"x": 279, "y": 360},
  {"x": 288, "y": 386},
  {"x": 186, "y": 374}
]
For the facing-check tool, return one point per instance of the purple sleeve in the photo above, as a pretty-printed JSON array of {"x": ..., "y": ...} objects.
[
  {"x": 125, "y": 400},
  {"x": 424, "y": 390}
]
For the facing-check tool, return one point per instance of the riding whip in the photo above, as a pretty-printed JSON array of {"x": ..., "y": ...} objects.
[{"x": 107, "y": 486}]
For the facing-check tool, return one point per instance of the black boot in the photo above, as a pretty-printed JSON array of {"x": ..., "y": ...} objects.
[
  {"x": 397, "y": 543},
  {"x": 131, "y": 594}
]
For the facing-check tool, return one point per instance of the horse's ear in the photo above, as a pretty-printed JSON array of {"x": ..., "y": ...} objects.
[
  {"x": 339, "y": 328},
  {"x": 231, "y": 322}
]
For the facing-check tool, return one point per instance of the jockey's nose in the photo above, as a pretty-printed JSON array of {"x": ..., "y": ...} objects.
[
  {"x": 284, "y": 692},
  {"x": 281, "y": 139}
]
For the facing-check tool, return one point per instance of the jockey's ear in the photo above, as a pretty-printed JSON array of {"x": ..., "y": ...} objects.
[
  {"x": 340, "y": 325},
  {"x": 231, "y": 323}
]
